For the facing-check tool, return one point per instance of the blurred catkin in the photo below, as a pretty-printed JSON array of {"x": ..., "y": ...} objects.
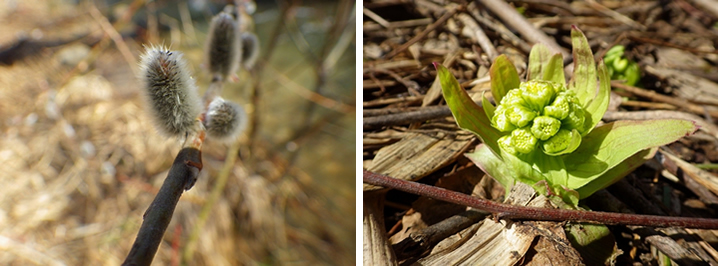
[
  {"x": 224, "y": 46},
  {"x": 250, "y": 49},
  {"x": 225, "y": 120}
]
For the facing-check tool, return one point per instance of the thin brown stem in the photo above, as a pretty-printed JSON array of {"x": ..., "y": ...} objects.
[
  {"x": 501, "y": 210},
  {"x": 255, "y": 95}
]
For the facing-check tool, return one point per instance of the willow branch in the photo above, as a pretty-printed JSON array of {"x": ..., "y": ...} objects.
[
  {"x": 181, "y": 177},
  {"x": 500, "y": 210}
]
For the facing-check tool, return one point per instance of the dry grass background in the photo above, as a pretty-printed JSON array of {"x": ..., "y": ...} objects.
[{"x": 81, "y": 162}]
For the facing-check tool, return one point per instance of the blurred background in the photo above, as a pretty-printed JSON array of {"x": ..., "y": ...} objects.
[{"x": 82, "y": 162}]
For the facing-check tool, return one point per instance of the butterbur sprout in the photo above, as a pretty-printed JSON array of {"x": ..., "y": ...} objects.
[
  {"x": 224, "y": 120},
  {"x": 169, "y": 91},
  {"x": 224, "y": 46},
  {"x": 544, "y": 131}
]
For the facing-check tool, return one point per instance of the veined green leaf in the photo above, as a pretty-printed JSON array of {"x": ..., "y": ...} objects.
[
  {"x": 597, "y": 107},
  {"x": 554, "y": 70},
  {"x": 467, "y": 113},
  {"x": 617, "y": 172},
  {"x": 583, "y": 81},
  {"x": 608, "y": 145},
  {"x": 538, "y": 59},
  {"x": 503, "y": 77},
  {"x": 488, "y": 107},
  {"x": 595, "y": 242},
  {"x": 506, "y": 170},
  {"x": 552, "y": 167},
  {"x": 492, "y": 166}
]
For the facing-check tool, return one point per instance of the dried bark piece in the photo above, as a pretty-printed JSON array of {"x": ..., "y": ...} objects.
[
  {"x": 508, "y": 243},
  {"x": 418, "y": 155}
]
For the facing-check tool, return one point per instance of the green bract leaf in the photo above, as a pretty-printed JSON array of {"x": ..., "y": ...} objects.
[
  {"x": 617, "y": 172},
  {"x": 595, "y": 242},
  {"x": 489, "y": 108},
  {"x": 493, "y": 166},
  {"x": 552, "y": 167},
  {"x": 554, "y": 70},
  {"x": 608, "y": 145},
  {"x": 508, "y": 169},
  {"x": 598, "y": 106},
  {"x": 583, "y": 81},
  {"x": 538, "y": 61},
  {"x": 467, "y": 113},
  {"x": 503, "y": 77}
]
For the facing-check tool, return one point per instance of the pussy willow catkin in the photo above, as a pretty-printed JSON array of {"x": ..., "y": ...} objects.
[
  {"x": 225, "y": 120},
  {"x": 224, "y": 46},
  {"x": 169, "y": 91},
  {"x": 250, "y": 49}
]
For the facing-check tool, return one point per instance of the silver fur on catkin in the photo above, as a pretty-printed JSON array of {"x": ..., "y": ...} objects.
[
  {"x": 224, "y": 120},
  {"x": 224, "y": 46},
  {"x": 169, "y": 91},
  {"x": 250, "y": 49}
]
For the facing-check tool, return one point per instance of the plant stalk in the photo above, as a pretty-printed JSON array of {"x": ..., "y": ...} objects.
[
  {"x": 181, "y": 176},
  {"x": 500, "y": 210}
]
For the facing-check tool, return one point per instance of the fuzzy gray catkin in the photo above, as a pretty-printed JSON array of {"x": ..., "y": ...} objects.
[
  {"x": 224, "y": 120},
  {"x": 169, "y": 91},
  {"x": 250, "y": 49},
  {"x": 224, "y": 46}
]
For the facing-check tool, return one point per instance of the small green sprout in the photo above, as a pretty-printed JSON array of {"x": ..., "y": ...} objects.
[
  {"x": 620, "y": 68},
  {"x": 543, "y": 131}
]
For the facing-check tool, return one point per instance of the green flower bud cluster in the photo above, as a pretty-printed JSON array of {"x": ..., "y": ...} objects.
[
  {"x": 620, "y": 68},
  {"x": 538, "y": 113}
]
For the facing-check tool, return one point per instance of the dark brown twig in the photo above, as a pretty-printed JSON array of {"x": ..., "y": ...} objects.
[
  {"x": 423, "y": 34},
  {"x": 256, "y": 92},
  {"x": 424, "y": 114},
  {"x": 419, "y": 242},
  {"x": 530, "y": 213},
  {"x": 520, "y": 24},
  {"x": 693, "y": 108},
  {"x": 181, "y": 177}
]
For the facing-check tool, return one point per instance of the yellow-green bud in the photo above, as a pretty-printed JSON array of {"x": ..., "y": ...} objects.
[
  {"x": 537, "y": 93},
  {"x": 575, "y": 118},
  {"x": 523, "y": 141},
  {"x": 513, "y": 97},
  {"x": 545, "y": 127},
  {"x": 519, "y": 115},
  {"x": 558, "y": 142},
  {"x": 560, "y": 107},
  {"x": 505, "y": 144},
  {"x": 500, "y": 121},
  {"x": 620, "y": 64}
]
